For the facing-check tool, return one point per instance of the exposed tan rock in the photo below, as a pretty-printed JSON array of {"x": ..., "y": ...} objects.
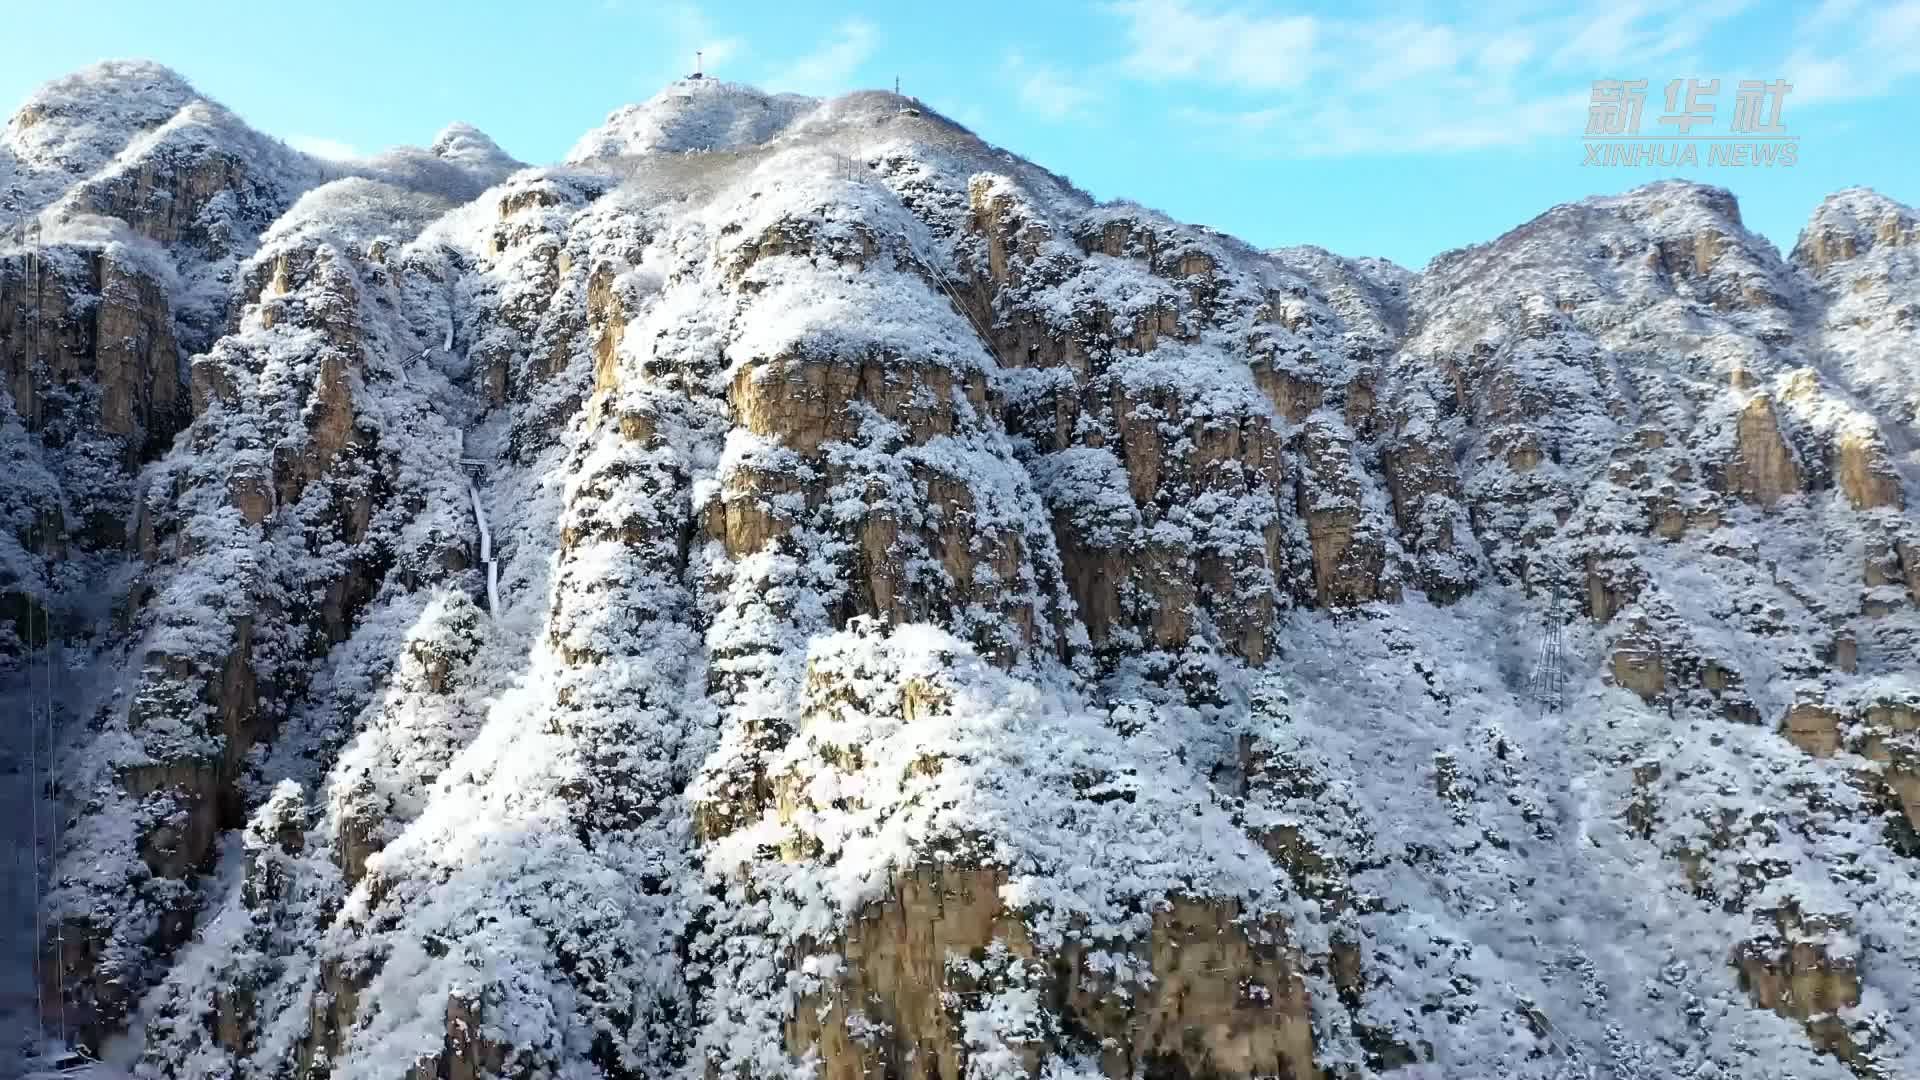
[
  {"x": 964, "y": 551},
  {"x": 1426, "y": 500},
  {"x": 136, "y": 359},
  {"x": 179, "y": 842},
  {"x": 1637, "y": 663},
  {"x": 467, "y": 1053},
  {"x": 1222, "y": 1003},
  {"x": 805, "y": 402},
  {"x": 1844, "y": 653},
  {"x": 1094, "y": 578},
  {"x": 852, "y": 246},
  {"x": 1163, "y": 573},
  {"x": 896, "y": 956},
  {"x": 1909, "y": 555},
  {"x": 330, "y": 1014},
  {"x": 1886, "y": 735},
  {"x": 537, "y": 195},
  {"x": 359, "y": 836},
  {"x": 1525, "y": 454},
  {"x": 330, "y": 427},
  {"x": 1509, "y": 400},
  {"x": 755, "y": 509},
  {"x": 1293, "y": 396},
  {"x": 1612, "y": 584},
  {"x": 1902, "y": 777},
  {"x": 1672, "y": 521},
  {"x": 605, "y": 309},
  {"x": 1823, "y": 245},
  {"x": 1246, "y": 441},
  {"x": 1893, "y": 716},
  {"x": 1864, "y": 471},
  {"x": 1348, "y": 558},
  {"x": 112, "y": 330},
  {"x": 1027, "y": 340},
  {"x": 1813, "y": 727},
  {"x": 1226, "y": 998},
  {"x": 1361, "y": 403},
  {"x": 209, "y": 383},
  {"x": 1794, "y": 974},
  {"x": 165, "y": 198},
  {"x": 1692, "y": 256},
  {"x": 309, "y": 287},
  {"x": 1643, "y": 806},
  {"x": 1014, "y": 237},
  {"x": 1764, "y": 469},
  {"x": 1725, "y": 685},
  {"x": 250, "y": 489}
]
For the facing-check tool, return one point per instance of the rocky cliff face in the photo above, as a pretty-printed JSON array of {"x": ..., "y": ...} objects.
[{"x": 942, "y": 626}]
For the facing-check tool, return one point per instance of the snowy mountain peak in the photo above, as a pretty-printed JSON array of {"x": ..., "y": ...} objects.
[
  {"x": 1853, "y": 222},
  {"x": 1676, "y": 198},
  {"x": 851, "y": 604},
  {"x": 466, "y": 144},
  {"x": 74, "y": 125},
  {"x": 146, "y": 91},
  {"x": 1671, "y": 246},
  {"x": 693, "y": 114},
  {"x": 1859, "y": 204}
]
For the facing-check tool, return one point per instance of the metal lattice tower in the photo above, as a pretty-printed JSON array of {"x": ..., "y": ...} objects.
[
  {"x": 1548, "y": 684},
  {"x": 29, "y": 231},
  {"x": 42, "y": 720},
  {"x": 27, "y": 311},
  {"x": 43, "y": 764}
]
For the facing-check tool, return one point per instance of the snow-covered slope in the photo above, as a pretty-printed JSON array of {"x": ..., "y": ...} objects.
[
  {"x": 694, "y": 114},
  {"x": 948, "y": 627}
]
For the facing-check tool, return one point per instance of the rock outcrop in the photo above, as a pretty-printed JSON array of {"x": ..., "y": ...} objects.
[{"x": 929, "y": 623}]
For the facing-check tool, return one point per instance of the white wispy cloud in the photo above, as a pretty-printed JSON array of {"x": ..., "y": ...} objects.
[
  {"x": 322, "y": 147},
  {"x": 1316, "y": 85},
  {"x": 1596, "y": 42},
  {"x": 694, "y": 31},
  {"x": 1045, "y": 90},
  {"x": 970, "y": 114},
  {"x": 1337, "y": 129},
  {"x": 1172, "y": 39},
  {"x": 829, "y": 68},
  {"x": 676, "y": 31},
  {"x": 1849, "y": 50}
]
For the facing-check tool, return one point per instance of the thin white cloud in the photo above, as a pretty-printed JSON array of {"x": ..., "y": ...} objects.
[
  {"x": 970, "y": 114},
  {"x": 1044, "y": 90},
  {"x": 1506, "y": 51},
  {"x": 678, "y": 35},
  {"x": 1337, "y": 129},
  {"x": 1318, "y": 85},
  {"x": 1626, "y": 31},
  {"x": 694, "y": 33},
  {"x": 829, "y": 69},
  {"x": 1172, "y": 39},
  {"x": 1850, "y": 50},
  {"x": 322, "y": 147}
]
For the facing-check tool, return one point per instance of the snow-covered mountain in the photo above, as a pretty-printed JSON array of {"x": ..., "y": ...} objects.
[{"x": 798, "y": 591}]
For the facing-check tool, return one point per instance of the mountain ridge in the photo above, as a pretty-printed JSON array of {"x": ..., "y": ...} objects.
[{"x": 949, "y": 626}]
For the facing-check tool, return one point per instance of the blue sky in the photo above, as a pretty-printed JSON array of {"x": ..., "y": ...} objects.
[{"x": 1394, "y": 129}]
